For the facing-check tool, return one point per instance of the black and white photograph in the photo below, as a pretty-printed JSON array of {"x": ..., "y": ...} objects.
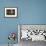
[{"x": 10, "y": 12}]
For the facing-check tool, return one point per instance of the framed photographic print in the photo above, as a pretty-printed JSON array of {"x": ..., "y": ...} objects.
[{"x": 10, "y": 12}]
